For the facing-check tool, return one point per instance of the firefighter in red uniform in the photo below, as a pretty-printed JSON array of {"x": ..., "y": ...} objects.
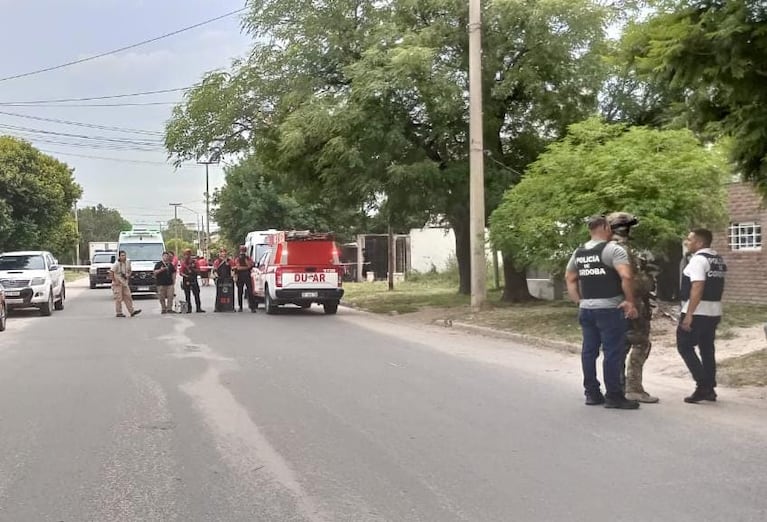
[
  {"x": 189, "y": 272},
  {"x": 222, "y": 272},
  {"x": 242, "y": 265}
]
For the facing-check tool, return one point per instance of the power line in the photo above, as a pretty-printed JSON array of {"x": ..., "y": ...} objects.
[
  {"x": 92, "y": 98},
  {"x": 94, "y": 146},
  {"x": 82, "y": 124},
  {"x": 104, "y": 158},
  {"x": 79, "y": 105},
  {"x": 121, "y": 49},
  {"x": 124, "y": 141}
]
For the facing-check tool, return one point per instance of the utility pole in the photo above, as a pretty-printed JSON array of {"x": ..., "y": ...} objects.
[
  {"x": 175, "y": 223},
  {"x": 213, "y": 158},
  {"x": 77, "y": 231},
  {"x": 476, "y": 164}
]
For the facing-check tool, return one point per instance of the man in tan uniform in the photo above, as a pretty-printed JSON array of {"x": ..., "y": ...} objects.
[{"x": 120, "y": 287}]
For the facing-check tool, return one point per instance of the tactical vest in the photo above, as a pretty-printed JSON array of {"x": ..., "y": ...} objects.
[
  {"x": 596, "y": 279},
  {"x": 713, "y": 286}
]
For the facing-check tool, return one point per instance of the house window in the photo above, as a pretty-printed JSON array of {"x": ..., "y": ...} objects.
[{"x": 745, "y": 236}]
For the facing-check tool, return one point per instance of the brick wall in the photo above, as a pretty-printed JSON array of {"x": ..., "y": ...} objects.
[{"x": 746, "y": 269}]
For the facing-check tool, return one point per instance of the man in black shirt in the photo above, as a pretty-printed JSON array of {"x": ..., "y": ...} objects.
[{"x": 165, "y": 274}]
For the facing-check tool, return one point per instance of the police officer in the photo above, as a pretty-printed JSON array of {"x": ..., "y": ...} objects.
[
  {"x": 189, "y": 272},
  {"x": 600, "y": 282},
  {"x": 701, "y": 293},
  {"x": 638, "y": 342},
  {"x": 243, "y": 265}
]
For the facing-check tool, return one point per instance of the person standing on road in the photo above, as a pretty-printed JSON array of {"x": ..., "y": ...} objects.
[
  {"x": 701, "y": 294},
  {"x": 189, "y": 273},
  {"x": 243, "y": 265},
  {"x": 202, "y": 262},
  {"x": 222, "y": 270},
  {"x": 638, "y": 342},
  {"x": 600, "y": 282},
  {"x": 120, "y": 272},
  {"x": 165, "y": 274}
]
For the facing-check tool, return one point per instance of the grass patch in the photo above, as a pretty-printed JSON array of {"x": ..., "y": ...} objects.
[
  {"x": 557, "y": 320},
  {"x": 406, "y": 297},
  {"x": 74, "y": 275},
  {"x": 737, "y": 315},
  {"x": 746, "y": 370},
  {"x": 743, "y": 315},
  {"x": 546, "y": 319}
]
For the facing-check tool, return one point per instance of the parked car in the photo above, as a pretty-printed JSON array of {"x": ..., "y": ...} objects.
[
  {"x": 3, "y": 309},
  {"x": 32, "y": 279},
  {"x": 101, "y": 263}
]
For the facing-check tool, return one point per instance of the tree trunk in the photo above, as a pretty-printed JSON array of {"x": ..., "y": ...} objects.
[
  {"x": 515, "y": 289},
  {"x": 669, "y": 273},
  {"x": 463, "y": 254}
]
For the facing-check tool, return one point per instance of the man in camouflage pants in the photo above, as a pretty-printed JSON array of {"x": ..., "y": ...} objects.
[{"x": 638, "y": 343}]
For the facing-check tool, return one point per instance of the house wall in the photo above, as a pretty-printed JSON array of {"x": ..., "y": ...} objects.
[
  {"x": 746, "y": 269},
  {"x": 431, "y": 248}
]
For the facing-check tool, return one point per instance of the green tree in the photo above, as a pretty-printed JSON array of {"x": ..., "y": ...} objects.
[
  {"x": 366, "y": 103},
  {"x": 37, "y": 195},
  {"x": 177, "y": 229},
  {"x": 254, "y": 199},
  {"x": 99, "y": 223},
  {"x": 714, "y": 55},
  {"x": 665, "y": 177}
]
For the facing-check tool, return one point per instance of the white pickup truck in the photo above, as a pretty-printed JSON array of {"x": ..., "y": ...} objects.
[{"x": 32, "y": 279}]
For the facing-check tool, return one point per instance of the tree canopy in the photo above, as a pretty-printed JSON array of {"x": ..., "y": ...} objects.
[
  {"x": 99, "y": 223},
  {"x": 365, "y": 104},
  {"x": 37, "y": 195},
  {"x": 665, "y": 177},
  {"x": 714, "y": 54}
]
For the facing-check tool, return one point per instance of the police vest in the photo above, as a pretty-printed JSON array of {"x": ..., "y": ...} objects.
[
  {"x": 597, "y": 280},
  {"x": 713, "y": 286}
]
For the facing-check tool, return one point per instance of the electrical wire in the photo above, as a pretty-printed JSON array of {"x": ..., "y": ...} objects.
[
  {"x": 93, "y": 98},
  {"x": 147, "y": 141},
  {"x": 121, "y": 49},
  {"x": 80, "y": 105},
  {"x": 104, "y": 158},
  {"x": 124, "y": 141},
  {"x": 93, "y": 146},
  {"x": 83, "y": 124}
]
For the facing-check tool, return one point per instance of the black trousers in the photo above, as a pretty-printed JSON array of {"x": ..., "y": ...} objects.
[
  {"x": 192, "y": 288},
  {"x": 702, "y": 335},
  {"x": 245, "y": 283}
]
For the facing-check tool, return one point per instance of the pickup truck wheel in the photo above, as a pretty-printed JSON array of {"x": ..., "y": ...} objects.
[
  {"x": 3, "y": 316},
  {"x": 47, "y": 308},
  {"x": 93, "y": 285},
  {"x": 330, "y": 308},
  {"x": 59, "y": 305},
  {"x": 269, "y": 306}
]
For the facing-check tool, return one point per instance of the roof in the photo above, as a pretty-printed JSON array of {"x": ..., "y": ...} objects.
[{"x": 25, "y": 253}]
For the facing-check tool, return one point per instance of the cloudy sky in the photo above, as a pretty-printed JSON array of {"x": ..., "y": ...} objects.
[{"x": 42, "y": 33}]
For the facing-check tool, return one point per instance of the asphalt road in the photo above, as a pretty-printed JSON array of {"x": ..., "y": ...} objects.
[{"x": 301, "y": 416}]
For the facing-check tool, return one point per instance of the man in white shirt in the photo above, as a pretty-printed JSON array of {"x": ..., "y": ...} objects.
[{"x": 701, "y": 293}]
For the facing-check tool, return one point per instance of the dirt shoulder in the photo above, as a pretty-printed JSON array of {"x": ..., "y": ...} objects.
[{"x": 741, "y": 347}]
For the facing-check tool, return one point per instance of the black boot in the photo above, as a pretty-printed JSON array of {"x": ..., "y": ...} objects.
[
  {"x": 701, "y": 394},
  {"x": 620, "y": 402},
  {"x": 594, "y": 398}
]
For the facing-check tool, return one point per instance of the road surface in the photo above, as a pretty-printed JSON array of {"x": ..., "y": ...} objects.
[{"x": 301, "y": 416}]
